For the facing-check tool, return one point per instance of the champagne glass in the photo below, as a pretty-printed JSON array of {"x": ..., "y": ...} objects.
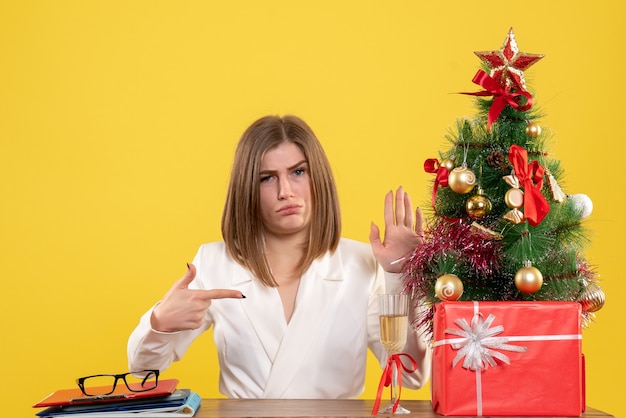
[{"x": 394, "y": 324}]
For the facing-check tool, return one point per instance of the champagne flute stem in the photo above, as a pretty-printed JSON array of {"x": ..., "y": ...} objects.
[{"x": 394, "y": 384}]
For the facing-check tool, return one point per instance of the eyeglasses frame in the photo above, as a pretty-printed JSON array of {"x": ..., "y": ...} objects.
[{"x": 122, "y": 376}]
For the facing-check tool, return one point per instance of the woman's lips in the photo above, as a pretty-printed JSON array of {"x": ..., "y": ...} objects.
[{"x": 289, "y": 209}]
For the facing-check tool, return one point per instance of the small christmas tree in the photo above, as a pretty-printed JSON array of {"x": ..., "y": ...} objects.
[{"x": 502, "y": 228}]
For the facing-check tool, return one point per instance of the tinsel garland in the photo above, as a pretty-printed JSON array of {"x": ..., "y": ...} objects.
[
  {"x": 458, "y": 242},
  {"x": 459, "y": 248}
]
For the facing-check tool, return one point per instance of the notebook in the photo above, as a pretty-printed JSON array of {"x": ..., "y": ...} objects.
[
  {"x": 65, "y": 397},
  {"x": 183, "y": 402}
]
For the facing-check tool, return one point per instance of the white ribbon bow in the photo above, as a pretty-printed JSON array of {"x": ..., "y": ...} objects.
[{"x": 479, "y": 342}]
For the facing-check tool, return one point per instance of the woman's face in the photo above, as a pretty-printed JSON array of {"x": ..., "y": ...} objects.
[{"x": 285, "y": 191}]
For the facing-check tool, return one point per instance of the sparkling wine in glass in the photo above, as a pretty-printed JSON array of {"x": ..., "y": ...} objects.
[{"x": 394, "y": 324}]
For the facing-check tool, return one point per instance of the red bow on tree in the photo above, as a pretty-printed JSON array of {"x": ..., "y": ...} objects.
[
  {"x": 432, "y": 165},
  {"x": 503, "y": 95},
  {"x": 536, "y": 207}
]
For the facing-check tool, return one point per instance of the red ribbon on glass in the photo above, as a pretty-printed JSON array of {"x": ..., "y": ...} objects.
[
  {"x": 503, "y": 95},
  {"x": 432, "y": 165},
  {"x": 394, "y": 361},
  {"x": 536, "y": 207}
]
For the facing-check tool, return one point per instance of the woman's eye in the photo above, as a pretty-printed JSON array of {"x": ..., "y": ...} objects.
[
  {"x": 299, "y": 171},
  {"x": 265, "y": 179}
]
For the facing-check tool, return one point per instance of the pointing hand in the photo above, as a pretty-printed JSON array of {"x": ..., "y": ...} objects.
[{"x": 182, "y": 308}]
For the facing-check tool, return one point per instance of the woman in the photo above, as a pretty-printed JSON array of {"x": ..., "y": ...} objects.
[{"x": 293, "y": 306}]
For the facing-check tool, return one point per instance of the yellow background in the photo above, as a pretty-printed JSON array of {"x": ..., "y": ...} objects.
[{"x": 118, "y": 121}]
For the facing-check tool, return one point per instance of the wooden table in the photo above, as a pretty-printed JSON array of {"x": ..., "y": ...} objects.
[{"x": 287, "y": 408}]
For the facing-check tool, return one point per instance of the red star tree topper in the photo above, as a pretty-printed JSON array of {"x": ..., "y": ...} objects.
[{"x": 508, "y": 63}]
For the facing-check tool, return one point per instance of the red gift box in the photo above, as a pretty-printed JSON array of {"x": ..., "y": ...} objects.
[{"x": 507, "y": 358}]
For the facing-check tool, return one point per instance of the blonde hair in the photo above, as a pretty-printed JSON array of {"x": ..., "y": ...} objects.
[{"x": 242, "y": 226}]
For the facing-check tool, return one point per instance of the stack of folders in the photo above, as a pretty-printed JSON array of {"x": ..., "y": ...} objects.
[{"x": 163, "y": 401}]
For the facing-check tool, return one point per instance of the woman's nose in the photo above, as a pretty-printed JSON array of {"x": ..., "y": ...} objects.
[{"x": 284, "y": 189}]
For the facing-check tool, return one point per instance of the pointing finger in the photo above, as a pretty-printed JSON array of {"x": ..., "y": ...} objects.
[
  {"x": 222, "y": 294},
  {"x": 190, "y": 274}
]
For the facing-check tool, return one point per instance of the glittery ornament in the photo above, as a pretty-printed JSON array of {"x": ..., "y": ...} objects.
[
  {"x": 533, "y": 130},
  {"x": 592, "y": 298},
  {"x": 583, "y": 204},
  {"x": 462, "y": 179},
  {"x": 478, "y": 206},
  {"x": 528, "y": 279},
  {"x": 448, "y": 287},
  {"x": 508, "y": 63}
]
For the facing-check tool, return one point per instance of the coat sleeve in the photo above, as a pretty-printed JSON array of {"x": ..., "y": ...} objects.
[
  {"x": 150, "y": 349},
  {"x": 417, "y": 346}
]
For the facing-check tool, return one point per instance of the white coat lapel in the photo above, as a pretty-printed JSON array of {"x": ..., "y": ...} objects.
[
  {"x": 263, "y": 309},
  {"x": 316, "y": 297}
]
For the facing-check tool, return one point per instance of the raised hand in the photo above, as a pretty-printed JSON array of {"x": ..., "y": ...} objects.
[
  {"x": 403, "y": 232},
  {"x": 182, "y": 308}
]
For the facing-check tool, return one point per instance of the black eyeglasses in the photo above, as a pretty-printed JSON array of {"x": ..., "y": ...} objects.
[{"x": 104, "y": 384}]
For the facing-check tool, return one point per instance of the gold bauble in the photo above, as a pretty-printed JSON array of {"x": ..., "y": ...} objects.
[
  {"x": 478, "y": 206},
  {"x": 592, "y": 298},
  {"x": 448, "y": 164},
  {"x": 533, "y": 130},
  {"x": 462, "y": 180},
  {"x": 514, "y": 198},
  {"x": 448, "y": 287},
  {"x": 528, "y": 279}
]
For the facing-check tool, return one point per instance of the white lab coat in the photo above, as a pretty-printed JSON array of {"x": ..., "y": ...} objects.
[{"x": 320, "y": 353}]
